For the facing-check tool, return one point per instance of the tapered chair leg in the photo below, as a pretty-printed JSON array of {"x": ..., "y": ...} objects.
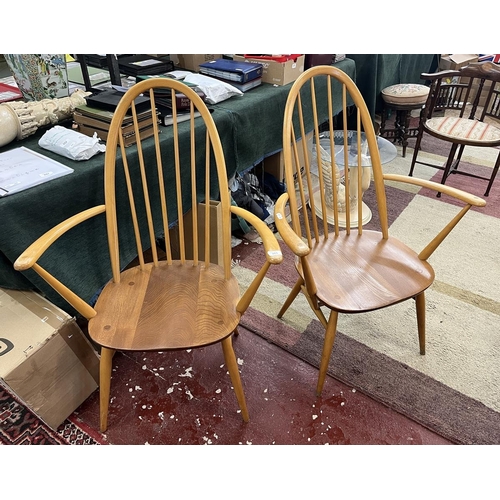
[
  {"x": 493, "y": 175},
  {"x": 234, "y": 373},
  {"x": 105, "y": 366},
  {"x": 291, "y": 297},
  {"x": 415, "y": 152},
  {"x": 420, "y": 307},
  {"x": 331, "y": 330}
]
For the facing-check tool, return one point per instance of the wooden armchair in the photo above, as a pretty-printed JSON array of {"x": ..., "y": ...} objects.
[
  {"x": 463, "y": 108},
  {"x": 189, "y": 298},
  {"x": 341, "y": 268}
]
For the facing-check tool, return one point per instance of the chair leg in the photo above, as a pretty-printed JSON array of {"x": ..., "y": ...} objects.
[
  {"x": 234, "y": 373},
  {"x": 105, "y": 367},
  {"x": 330, "y": 332},
  {"x": 420, "y": 307},
  {"x": 415, "y": 151},
  {"x": 405, "y": 119},
  {"x": 449, "y": 164},
  {"x": 493, "y": 175},
  {"x": 291, "y": 297}
]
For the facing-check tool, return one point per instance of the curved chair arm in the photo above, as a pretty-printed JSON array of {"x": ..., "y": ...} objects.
[
  {"x": 272, "y": 250},
  {"x": 28, "y": 259},
  {"x": 469, "y": 200},
  {"x": 271, "y": 245},
  {"x": 38, "y": 247},
  {"x": 292, "y": 240}
]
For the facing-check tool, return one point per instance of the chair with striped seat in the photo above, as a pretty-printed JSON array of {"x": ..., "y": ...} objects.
[{"x": 463, "y": 108}]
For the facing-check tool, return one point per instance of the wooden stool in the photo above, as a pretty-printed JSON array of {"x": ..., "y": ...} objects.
[{"x": 402, "y": 98}]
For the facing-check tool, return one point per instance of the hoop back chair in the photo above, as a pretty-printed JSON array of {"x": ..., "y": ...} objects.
[
  {"x": 463, "y": 108},
  {"x": 171, "y": 302},
  {"x": 346, "y": 269}
]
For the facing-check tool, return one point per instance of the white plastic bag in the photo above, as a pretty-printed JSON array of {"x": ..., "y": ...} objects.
[
  {"x": 215, "y": 90},
  {"x": 70, "y": 143}
]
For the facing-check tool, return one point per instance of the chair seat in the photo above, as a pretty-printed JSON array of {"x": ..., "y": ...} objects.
[
  {"x": 364, "y": 273},
  {"x": 166, "y": 307},
  {"x": 411, "y": 94},
  {"x": 471, "y": 132}
]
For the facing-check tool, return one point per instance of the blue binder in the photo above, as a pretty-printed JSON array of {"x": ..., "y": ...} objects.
[{"x": 236, "y": 71}]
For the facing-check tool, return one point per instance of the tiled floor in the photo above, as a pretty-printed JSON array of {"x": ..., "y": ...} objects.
[{"x": 186, "y": 398}]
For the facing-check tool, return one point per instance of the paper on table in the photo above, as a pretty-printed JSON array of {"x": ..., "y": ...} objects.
[{"x": 22, "y": 168}]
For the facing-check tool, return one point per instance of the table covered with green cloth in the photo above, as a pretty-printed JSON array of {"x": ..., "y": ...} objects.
[
  {"x": 250, "y": 128},
  {"x": 374, "y": 72},
  {"x": 258, "y": 117}
]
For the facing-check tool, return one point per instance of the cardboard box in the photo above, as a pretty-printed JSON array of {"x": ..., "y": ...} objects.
[
  {"x": 275, "y": 72},
  {"x": 275, "y": 164},
  {"x": 456, "y": 61},
  {"x": 216, "y": 239},
  {"x": 192, "y": 62},
  {"x": 45, "y": 358},
  {"x": 475, "y": 88}
]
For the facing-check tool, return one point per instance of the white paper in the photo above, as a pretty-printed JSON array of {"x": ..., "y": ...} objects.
[{"x": 22, "y": 168}]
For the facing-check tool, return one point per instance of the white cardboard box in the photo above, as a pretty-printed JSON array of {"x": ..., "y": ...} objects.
[{"x": 45, "y": 358}]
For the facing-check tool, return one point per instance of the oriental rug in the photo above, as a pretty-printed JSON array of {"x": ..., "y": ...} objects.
[
  {"x": 20, "y": 426},
  {"x": 454, "y": 389}
]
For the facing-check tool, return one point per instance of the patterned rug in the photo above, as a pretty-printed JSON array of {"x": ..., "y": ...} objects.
[
  {"x": 454, "y": 389},
  {"x": 19, "y": 426}
]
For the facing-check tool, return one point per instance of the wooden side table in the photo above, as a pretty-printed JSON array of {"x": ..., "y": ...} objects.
[{"x": 401, "y": 98}]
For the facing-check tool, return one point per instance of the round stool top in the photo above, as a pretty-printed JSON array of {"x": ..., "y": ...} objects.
[{"x": 405, "y": 93}]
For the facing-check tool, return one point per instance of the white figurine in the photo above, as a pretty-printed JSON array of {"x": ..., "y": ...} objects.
[{"x": 19, "y": 119}]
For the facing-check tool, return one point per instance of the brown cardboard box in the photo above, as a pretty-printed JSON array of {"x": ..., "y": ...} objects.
[
  {"x": 275, "y": 164},
  {"x": 216, "y": 241},
  {"x": 475, "y": 88},
  {"x": 44, "y": 356},
  {"x": 192, "y": 62},
  {"x": 456, "y": 61},
  {"x": 275, "y": 72}
]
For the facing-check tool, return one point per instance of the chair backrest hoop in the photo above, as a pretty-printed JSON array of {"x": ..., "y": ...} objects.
[
  {"x": 177, "y": 168},
  {"x": 303, "y": 115}
]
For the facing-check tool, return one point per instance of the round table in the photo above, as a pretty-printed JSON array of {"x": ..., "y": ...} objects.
[{"x": 387, "y": 152}]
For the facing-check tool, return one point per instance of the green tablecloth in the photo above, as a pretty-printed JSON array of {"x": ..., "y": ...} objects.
[
  {"x": 250, "y": 128},
  {"x": 374, "y": 72}
]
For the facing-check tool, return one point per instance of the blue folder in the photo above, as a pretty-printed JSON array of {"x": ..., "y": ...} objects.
[{"x": 236, "y": 71}]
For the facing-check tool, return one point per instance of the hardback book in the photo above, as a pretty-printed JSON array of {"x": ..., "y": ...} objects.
[
  {"x": 235, "y": 71},
  {"x": 9, "y": 93},
  {"x": 168, "y": 119},
  {"x": 182, "y": 102},
  {"x": 244, "y": 87},
  {"x": 128, "y": 139},
  {"x": 144, "y": 121},
  {"x": 109, "y": 100},
  {"x": 105, "y": 115},
  {"x": 144, "y": 64}
]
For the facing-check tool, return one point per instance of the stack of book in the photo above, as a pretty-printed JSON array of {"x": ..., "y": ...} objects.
[
  {"x": 91, "y": 120},
  {"x": 163, "y": 102},
  {"x": 144, "y": 64},
  {"x": 241, "y": 74}
]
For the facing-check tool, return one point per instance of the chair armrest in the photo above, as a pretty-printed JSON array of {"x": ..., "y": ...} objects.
[
  {"x": 30, "y": 256},
  {"x": 292, "y": 240},
  {"x": 28, "y": 259},
  {"x": 467, "y": 198},
  {"x": 271, "y": 245},
  {"x": 435, "y": 186}
]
